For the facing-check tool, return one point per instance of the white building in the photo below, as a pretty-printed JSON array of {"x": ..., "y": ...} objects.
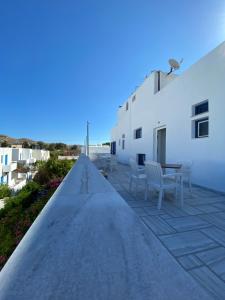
[
  {"x": 7, "y": 167},
  {"x": 172, "y": 118},
  {"x": 10, "y": 158},
  {"x": 23, "y": 155},
  {"x": 96, "y": 150},
  {"x": 40, "y": 154}
]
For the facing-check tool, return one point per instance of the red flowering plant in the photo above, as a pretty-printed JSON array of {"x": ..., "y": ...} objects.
[{"x": 54, "y": 183}]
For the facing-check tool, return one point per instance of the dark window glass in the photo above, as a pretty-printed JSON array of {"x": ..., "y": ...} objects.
[
  {"x": 123, "y": 144},
  {"x": 201, "y": 108},
  {"x": 113, "y": 148},
  {"x": 201, "y": 128},
  {"x": 127, "y": 105},
  {"x": 138, "y": 133},
  {"x": 141, "y": 159}
]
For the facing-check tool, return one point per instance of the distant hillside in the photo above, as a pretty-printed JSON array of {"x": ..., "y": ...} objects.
[
  {"x": 12, "y": 141},
  {"x": 60, "y": 148}
]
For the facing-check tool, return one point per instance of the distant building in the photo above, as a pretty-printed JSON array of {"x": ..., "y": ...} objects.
[
  {"x": 173, "y": 118},
  {"x": 12, "y": 158},
  {"x": 23, "y": 156},
  {"x": 95, "y": 150},
  {"x": 7, "y": 167},
  {"x": 40, "y": 154}
]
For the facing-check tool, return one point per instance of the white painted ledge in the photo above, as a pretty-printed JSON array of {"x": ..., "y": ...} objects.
[{"x": 88, "y": 244}]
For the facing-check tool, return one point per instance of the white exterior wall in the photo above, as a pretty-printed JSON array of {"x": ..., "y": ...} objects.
[
  {"x": 41, "y": 154},
  {"x": 172, "y": 107},
  {"x": 6, "y": 177}
]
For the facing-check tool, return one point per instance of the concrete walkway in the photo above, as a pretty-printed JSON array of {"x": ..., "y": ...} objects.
[
  {"x": 194, "y": 235},
  {"x": 88, "y": 243}
]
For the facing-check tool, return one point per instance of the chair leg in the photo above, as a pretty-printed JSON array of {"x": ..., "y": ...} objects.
[
  {"x": 190, "y": 186},
  {"x": 160, "y": 199}
]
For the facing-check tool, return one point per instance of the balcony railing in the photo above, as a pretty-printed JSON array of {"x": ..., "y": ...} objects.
[
  {"x": 87, "y": 243},
  {"x": 9, "y": 168}
]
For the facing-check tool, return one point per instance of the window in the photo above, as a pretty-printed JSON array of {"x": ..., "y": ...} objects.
[
  {"x": 201, "y": 128},
  {"x": 200, "y": 108},
  {"x": 127, "y": 106},
  {"x": 141, "y": 159},
  {"x": 123, "y": 144},
  {"x": 138, "y": 133},
  {"x": 133, "y": 98},
  {"x": 123, "y": 136}
]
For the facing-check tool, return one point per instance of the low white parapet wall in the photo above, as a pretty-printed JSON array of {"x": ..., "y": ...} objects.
[{"x": 87, "y": 243}]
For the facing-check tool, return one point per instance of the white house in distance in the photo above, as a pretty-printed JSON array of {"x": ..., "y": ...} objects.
[
  {"x": 23, "y": 155},
  {"x": 11, "y": 158},
  {"x": 7, "y": 167},
  {"x": 96, "y": 150},
  {"x": 40, "y": 154},
  {"x": 173, "y": 118}
]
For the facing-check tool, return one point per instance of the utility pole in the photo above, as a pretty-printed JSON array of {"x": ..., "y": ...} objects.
[{"x": 87, "y": 150}]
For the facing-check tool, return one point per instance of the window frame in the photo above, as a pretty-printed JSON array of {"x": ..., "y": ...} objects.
[
  {"x": 135, "y": 133},
  {"x": 197, "y": 124},
  {"x": 196, "y": 106}
]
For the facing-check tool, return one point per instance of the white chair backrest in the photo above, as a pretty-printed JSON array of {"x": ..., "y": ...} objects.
[
  {"x": 153, "y": 172},
  {"x": 185, "y": 165},
  {"x": 134, "y": 166}
]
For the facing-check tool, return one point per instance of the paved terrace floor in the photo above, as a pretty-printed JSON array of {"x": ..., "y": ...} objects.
[
  {"x": 194, "y": 235},
  {"x": 87, "y": 243}
]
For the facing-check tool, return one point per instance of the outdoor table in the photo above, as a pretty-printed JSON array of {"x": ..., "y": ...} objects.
[{"x": 171, "y": 166}]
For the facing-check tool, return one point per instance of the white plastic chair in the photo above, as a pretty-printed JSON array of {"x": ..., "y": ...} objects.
[
  {"x": 136, "y": 174},
  {"x": 186, "y": 171},
  {"x": 157, "y": 181},
  {"x": 112, "y": 162}
]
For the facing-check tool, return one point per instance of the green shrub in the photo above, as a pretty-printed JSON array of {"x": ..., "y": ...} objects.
[
  {"x": 52, "y": 169},
  {"x": 4, "y": 191},
  {"x": 24, "y": 198}
]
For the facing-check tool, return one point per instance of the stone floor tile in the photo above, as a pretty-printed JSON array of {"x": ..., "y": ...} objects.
[
  {"x": 216, "y": 234},
  {"x": 187, "y": 242},
  {"x": 157, "y": 225},
  {"x": 190, "y": 210},
  {"x": 217, "y": 219},
  {"x": 153, "y": 211},
  {"x": 173, "y": 211},
  {"x": 189, "y": 261},
  {"x": 208, "y": 208},
  {"x": 209, "y": 281},
  {"x": 220, "y": 205},
  {"x": 187, "y": 223},
  {"x": 215, "y": 260},
  {"x": 140, "y": 211}
]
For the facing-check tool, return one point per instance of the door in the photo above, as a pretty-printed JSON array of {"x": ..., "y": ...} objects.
[
  {"x": 161, "y": 145},
  {"x": 113, "y": 148}
]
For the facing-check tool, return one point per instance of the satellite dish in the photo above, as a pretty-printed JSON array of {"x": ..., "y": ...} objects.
[{"x": 174, "y": 64}]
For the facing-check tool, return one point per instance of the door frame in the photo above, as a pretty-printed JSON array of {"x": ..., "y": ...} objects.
[{"x": 155, "y": 142}]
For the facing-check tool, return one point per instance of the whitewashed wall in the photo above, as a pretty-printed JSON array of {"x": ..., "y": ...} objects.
[{"x": 172, "y": 107}]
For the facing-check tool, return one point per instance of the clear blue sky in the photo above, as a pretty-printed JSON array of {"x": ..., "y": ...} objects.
[{"x": 65, "y": 62}]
